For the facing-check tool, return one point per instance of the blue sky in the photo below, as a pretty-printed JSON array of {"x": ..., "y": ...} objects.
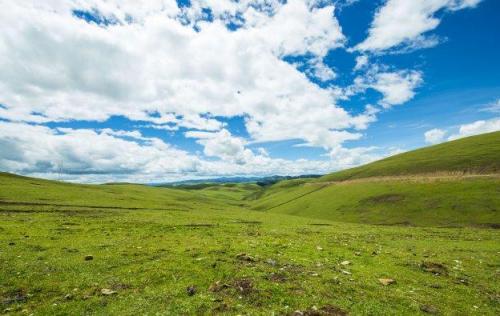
[{"x": 97, "y": 91}]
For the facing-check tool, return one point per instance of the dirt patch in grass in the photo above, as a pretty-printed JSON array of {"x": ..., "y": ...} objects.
[
  {"x": 15, "y": 296},
  {"x": 244, "y": 286},
  {"x": 194, "y": 225},
  {"x": 277, "y": 277},
  {"x": 434, "y": 268},
  {"x": 489, "y": 225},
  {"x": 246, "y": 222},
  {"x": 384, "y": 198},
  {"x": 80, "y": 207},
  {"x": 403, "y": 223}
]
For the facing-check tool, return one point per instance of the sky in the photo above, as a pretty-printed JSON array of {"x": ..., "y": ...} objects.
[{"x": 120, "y": 90}]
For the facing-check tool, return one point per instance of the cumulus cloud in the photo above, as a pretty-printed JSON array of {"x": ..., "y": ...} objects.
[
  {"x": 351, "y": 157},
  {"x": 32, "y": 149},
  {"x": 477, "y": 127},
  {"x": 437, "y": 135},
  {"x": 223, "y": 145},
  {"x": 163, "y": 71},
  {"x": 88, "y": 155},
  {"x": 404, "y": 22},
  {"x": 164, "y": 67},
  {"x": 434, "y": 136},
  {"x": 397, "y": 87}
]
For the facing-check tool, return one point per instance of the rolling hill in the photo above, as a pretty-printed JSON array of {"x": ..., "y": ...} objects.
[
  {"x": 478, "y": 154},
  {"x": 451, "y": 184}
]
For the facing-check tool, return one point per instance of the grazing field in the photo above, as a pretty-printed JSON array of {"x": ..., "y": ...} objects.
[
  {"x": 416, "y": 201},
  {"x": 472, "y": 155},
  {"x": 451, "y": 184},
  {"x": 201, "y": 256},
  {"x": 365, "y": 246}
]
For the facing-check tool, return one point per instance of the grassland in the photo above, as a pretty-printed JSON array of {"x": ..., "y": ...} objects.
[
  {"x": 432, "y": 202},
  {"x": 302, "y": 245},
  {"x": 472, "y": 155},
  {"x": 451, "y": 184}
]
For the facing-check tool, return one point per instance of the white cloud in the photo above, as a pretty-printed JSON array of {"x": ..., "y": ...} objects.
[
  {"x": 403, "y": 22},
  {"x": 166, "y": 68},
  {"x": 223, "y": 145},
  {"x": 396, "y": 87},
  {"x": 477, "y": 127},
  {"x": 321, "y": 71},
  {"x": 434, "y": 136},
  {"x": 361, "y": 62},
  {"x": 156, "y": 69},
  {"x": 493, "y": 107},
  {"x": 31, "y": 149},
  {"x": 437, "y": 135},
  {"x": 352, "y": 157},
  {"x": 88, "y": 155}
]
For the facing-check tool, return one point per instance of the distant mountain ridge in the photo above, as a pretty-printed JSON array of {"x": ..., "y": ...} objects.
[{"x": 262, "y": 181}]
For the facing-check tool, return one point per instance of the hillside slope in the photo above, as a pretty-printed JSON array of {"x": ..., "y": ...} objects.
[
  {"x": 478, "y": 154},
  {"x": 17, "y": 192},
  {"x": 451, "y": 184}
]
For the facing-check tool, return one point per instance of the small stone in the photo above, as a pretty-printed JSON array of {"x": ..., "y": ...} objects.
[
  {"x": 345, "y": 272},
  {"x": 271, "y": 262},
  {"x": 386, "y": 282},
  {"x": 319, "y": 248},
  {"x": 68, "y": 297},
  {"x": 191, "y": 290},
  {"x": 345, "y": 263},
  {"x": 107, "y": 292},
  {"x": 89, "y": 257},
  {"x": 429, "y": 309},
  {"x": 357, "y": 253}
]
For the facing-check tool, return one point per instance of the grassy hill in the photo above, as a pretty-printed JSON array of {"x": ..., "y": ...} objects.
[
  {"x": 451, "y": 184},
  {"x": 478, "y": 154},
  {"x": 69, "y": 249},
  {"x": 17, "y": 191}
]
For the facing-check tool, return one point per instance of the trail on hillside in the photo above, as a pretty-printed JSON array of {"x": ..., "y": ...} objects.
[
  {"x": 299, "y": 197},
  {"x": 423, "y": 178},
  {"x": 418, "y": 178}
]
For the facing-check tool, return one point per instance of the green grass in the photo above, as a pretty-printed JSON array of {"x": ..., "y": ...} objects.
[
  {"x": 451, "y": 184},
  {"x": 19, "y": 189},
  {"x": 476, "y": 154},
  {"x": 150, "y": 257},
  {"x": 447, "y": 202},
  {"x": 150, "y": 244}
]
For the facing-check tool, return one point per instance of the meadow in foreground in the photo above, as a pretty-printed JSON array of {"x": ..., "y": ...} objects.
[
  {"x": 237, "y": 262},
  {"x": 408, "y": 246}
]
